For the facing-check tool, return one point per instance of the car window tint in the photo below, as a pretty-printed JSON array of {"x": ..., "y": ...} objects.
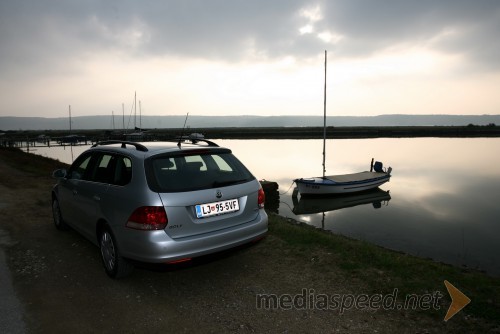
[
  {"x": 123, "y": 171},
  {"x": 164, "y": 164},
  {"x": 105, "y": 169},
  {"x": 113, "y": 169},
  {"x": 196, "y": 160},
  {"x": 195, "y": 172},
  {"x": 222, "y": 164},
  {"x": 79, "y": 170},
  {"x": 105, "y": 161}
]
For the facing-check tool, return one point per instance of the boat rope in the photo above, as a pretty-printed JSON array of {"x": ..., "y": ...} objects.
[
  {"x": 288, "y": 205},
  {"x": 288, "y": 189}
]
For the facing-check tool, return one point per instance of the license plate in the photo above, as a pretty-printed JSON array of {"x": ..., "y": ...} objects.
[{"x": 217, "y": 208}]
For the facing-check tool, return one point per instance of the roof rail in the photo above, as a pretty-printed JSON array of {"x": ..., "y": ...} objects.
[
  {"x": 196, "y": 140},
  {"x": 210, "y": 143},
  {"x": 138, "y": 147}
]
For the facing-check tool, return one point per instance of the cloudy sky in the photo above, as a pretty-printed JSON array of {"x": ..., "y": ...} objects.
[{"x": 241, "y": 57}]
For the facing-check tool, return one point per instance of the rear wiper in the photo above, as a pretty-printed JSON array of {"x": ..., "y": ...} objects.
[{"x": 227, "y": 183}]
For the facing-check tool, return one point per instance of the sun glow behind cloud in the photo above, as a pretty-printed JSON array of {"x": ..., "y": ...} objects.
[
  {"x": 287, "y": 86},
  {"x": 314, "y": 15}
]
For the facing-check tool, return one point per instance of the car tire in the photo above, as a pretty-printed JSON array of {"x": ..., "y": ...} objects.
[
  {"x": 114, "y": 264},
  {"x": 57, "y": 216}
]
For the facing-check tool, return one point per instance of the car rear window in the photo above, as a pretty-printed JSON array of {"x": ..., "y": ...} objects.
[{"x": 195, "y": 171}]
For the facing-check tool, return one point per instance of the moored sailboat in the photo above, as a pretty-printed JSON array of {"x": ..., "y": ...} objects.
[{"x": 344, "y": 183}]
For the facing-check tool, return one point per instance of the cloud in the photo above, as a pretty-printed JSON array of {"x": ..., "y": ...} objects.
[
  {"x": 371, "y": 26},
  {"x": 47, "y": 31},
  {"x": 393, "y": 50}
]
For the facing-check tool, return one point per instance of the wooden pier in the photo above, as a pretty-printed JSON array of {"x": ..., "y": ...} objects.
[
  {"x": 31, "y": 143},
  {"x": 32, "y": 138}
]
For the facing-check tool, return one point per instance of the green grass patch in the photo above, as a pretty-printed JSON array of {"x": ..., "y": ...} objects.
[{"x": 383, "y": 270}]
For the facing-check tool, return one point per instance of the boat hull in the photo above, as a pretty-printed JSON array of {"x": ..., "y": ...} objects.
[{"x": 328, "y": 185}]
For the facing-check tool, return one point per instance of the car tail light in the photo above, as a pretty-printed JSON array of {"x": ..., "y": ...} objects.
[
  {"x": 148, "y": 218},
  {"x": 261, "y": 198},
  {"x": 187, "y": 259}
]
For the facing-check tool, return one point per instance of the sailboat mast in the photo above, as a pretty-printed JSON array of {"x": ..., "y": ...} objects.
[
  {"x": 69, "y": 119},
  {"x": 135, "y": 110},
  {"x": 123, "y": 117},
  {"x": 324, "y": 122}
]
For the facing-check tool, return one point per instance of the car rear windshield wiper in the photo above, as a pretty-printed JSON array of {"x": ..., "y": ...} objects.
[{"x": 227, "y": 183}]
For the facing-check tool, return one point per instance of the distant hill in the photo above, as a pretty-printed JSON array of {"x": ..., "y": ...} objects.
[{"x": 152, "y": 122}]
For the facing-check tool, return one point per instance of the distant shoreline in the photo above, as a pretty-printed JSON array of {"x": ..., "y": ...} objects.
[
  {"x": 350, "y": 132},
  {"x": 240, "y": 121},
  {"x": 347, "y": 132}
]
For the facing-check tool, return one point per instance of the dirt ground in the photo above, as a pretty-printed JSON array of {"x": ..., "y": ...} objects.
[{"x": 61, "y": 285}]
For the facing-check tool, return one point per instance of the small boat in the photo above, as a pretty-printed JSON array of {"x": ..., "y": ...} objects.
[
  {"x": 71, "y": 139},
  {"x": 341, "y": 184},
  {"x": 345, "y": 183}
]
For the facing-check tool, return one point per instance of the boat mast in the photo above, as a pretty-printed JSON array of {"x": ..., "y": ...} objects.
[
  {"x": 69, "y": 119},
  {"x": 135, "y": 110},
  {"x": 123, "y": 116},
  {"x": 324, "y": 122}
]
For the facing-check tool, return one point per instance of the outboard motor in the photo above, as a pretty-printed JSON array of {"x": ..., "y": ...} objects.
[{"x": 378, "y": 167}]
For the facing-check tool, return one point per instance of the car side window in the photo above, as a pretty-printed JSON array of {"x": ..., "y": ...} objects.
[
  {"x": 80, "y": 169},
  {"x": 105, "y": 169},
  {"x": 123, "y": 171},
  {"x": 113, "y": 169}
]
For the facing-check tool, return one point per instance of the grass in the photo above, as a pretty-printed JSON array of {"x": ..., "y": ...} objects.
[
  {"x": 383, "y": 270},
  {"x": 34, "y": 164}
]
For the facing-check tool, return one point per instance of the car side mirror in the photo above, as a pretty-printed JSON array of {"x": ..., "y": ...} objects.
[{"x": 59, "y": 173}]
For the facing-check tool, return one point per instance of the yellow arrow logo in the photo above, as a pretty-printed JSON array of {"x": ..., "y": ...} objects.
[{"x": 458, "y": 300}]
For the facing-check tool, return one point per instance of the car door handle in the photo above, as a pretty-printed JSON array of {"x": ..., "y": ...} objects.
[{"x": 97, "y": 198}]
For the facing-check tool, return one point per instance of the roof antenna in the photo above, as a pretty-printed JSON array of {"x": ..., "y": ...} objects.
[{"x": 182, "y": 133}]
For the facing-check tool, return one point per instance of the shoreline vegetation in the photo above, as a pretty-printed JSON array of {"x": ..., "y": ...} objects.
[
  {"x": 306, "y": 132},
  {"x": 367, "y": 266}
]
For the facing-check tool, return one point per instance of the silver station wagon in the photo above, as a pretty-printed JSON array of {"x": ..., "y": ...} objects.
[{"x": 159, "y": 202}]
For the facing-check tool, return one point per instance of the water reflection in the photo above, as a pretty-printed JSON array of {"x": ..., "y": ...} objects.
[
  {"x": 310, "y": 205},
  {"x": 444, "y": 192},
  {"x": 313, "y": 205}
]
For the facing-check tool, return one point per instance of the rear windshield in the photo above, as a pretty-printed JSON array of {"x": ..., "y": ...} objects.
[{"x": 188, "y": 172}]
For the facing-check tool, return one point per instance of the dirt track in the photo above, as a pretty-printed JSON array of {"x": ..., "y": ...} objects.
[{"x": 62, "y": 286}]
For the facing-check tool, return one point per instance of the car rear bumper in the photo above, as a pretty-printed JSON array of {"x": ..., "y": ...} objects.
[{"x": 158, "y": 247}]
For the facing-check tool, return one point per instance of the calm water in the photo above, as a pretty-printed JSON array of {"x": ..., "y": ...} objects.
[{"x": 443, "y": 200}]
